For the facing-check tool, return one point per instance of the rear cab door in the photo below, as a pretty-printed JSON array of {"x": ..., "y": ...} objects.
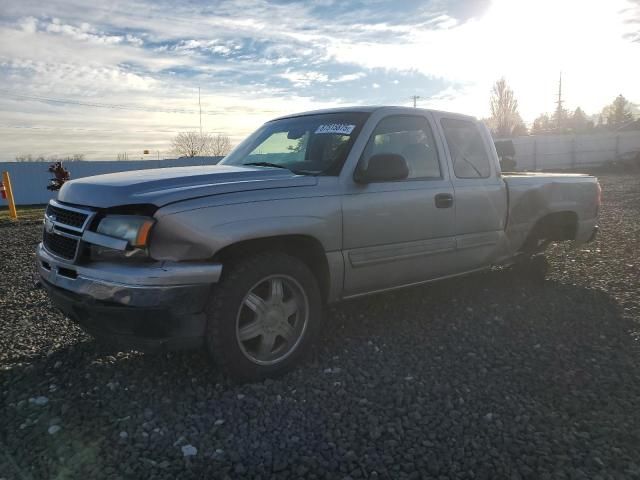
[{"x": 480, "y": 193}]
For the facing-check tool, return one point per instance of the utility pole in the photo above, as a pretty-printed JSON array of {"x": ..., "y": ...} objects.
[
  {"x": 415, "y": 99},
  {"x": 559, "y": 110},
  {"x": 200, "y": 109}
]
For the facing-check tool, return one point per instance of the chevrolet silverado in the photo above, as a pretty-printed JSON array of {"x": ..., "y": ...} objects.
[{"x": 310, "y": 209}]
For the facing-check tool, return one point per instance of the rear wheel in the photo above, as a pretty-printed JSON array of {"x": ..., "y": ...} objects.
[{"x": 263, "y": 316}]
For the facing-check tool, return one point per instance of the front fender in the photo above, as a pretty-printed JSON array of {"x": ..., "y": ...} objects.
[{"x": 200, "y": 233}]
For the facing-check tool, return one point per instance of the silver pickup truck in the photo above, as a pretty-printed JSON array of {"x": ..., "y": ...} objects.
[{"x": 310, "y": 209}]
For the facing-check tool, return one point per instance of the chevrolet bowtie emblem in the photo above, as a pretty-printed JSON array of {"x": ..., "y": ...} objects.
[{"x": 48, "y": 224}]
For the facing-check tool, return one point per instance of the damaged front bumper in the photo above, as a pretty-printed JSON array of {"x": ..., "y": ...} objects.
[{"x": 146, "y": 306}]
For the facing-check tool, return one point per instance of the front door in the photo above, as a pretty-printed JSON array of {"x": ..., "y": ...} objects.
[{"x": 400, "y": 232}]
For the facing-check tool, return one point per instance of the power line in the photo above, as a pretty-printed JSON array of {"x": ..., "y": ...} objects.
[
  {"x": 137, "y": 108},
  {"x": 7, "y": 93},
  {"x": 91, "y": 130}
]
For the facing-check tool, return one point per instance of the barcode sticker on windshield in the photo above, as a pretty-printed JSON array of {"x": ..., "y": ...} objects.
[{"x": 339, "y": 128}]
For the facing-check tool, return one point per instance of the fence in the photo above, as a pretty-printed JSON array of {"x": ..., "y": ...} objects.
[
  {"x": 30, "y": 179},
  {"x": 548, "y": 152},
  {"x": 544, "y": 152}
]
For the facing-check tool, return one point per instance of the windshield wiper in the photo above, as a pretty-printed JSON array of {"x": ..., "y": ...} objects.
[
  {"x": 269, "y": 164},
  {"x": 266, "y": 164}
]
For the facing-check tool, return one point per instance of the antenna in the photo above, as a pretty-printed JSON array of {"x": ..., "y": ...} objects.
[
  {"x": 200, "y": 110},
  {"x": 415, "y": 99}
]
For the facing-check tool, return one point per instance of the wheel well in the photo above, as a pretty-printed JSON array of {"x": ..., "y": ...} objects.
[
  {"x": 553, "y": 227},
  {"x": 306, "y": 248}
]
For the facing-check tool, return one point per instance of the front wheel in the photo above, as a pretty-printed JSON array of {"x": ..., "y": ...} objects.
[{"x": 263, "y": 316}]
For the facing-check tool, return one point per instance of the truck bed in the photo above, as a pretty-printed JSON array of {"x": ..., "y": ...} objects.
[{"x": 533, "y": 196}]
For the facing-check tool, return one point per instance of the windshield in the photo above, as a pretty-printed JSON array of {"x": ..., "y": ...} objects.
[{"x": 310, "y": 144}]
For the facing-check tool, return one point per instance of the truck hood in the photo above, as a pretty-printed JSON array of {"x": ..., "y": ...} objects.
[{"x": 162, "y": 186}]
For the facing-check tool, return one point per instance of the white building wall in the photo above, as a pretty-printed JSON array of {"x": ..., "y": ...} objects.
[
  {"x": 30, "y": 179},
  {"x": 542, "y": 152},
  {"x": 548, "y": 152}
]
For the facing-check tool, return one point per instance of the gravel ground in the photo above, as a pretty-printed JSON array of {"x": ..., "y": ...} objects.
[{"x": 490, "y": 376}]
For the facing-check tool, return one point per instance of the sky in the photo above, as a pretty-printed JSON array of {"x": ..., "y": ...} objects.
[{"x": 105, "y": 78}]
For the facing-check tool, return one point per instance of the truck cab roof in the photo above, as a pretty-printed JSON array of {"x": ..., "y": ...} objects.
[{"x": 391, "y": 109}]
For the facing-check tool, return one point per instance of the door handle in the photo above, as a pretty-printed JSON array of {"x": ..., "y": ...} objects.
[{"x": 444, "y": 200}]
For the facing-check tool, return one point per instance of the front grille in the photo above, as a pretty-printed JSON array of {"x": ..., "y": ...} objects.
[
  {"x": 63, "y": 229},
  {"x": 60, "y": 245},
  {"x": 67, "y": 217}
]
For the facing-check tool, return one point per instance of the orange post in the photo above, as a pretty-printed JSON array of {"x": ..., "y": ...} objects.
[{"x": 6, "y": 182}]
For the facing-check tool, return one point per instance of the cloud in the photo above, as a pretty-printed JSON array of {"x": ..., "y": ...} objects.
[
  {"x": 349, "y": 77},
  {"x": 304, "y": 79},
  {"x": 521, "y": 41},
  {"x": 632, "y": 21},
  {"x": 28, "y": 24},
  {"x": 255, "y": 59},
  {"x": 82, "y": 33}
]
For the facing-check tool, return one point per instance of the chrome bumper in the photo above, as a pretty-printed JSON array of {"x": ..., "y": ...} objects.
[
  {"x": 134, "y": 285},
  {"x": 149, "y": 307}
]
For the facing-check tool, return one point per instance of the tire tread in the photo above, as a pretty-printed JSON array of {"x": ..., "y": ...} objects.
[{"x": 220, "y": 309}]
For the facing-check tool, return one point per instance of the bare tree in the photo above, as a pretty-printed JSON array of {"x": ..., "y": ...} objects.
[
  {"x": 220, "y": 145},
  {"x": 504, "y": 110},
  {"x": 192, "y": 144},
  {"x": 27, "y": 157},
  {"x": 189, "y": 144}
]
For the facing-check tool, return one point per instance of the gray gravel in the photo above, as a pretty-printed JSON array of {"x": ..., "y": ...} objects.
[{"x": 491, "y": 376}]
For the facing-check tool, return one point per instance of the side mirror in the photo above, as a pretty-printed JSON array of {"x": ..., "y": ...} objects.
[{"x": 384, "y": 167}]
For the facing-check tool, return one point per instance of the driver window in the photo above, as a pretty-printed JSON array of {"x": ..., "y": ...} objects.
[{"x": 411, "y": 137}]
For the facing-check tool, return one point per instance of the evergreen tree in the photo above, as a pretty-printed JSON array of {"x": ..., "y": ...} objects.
[
  {"x": 618, "y": 113},
  {"x": 542, "y": 125}
]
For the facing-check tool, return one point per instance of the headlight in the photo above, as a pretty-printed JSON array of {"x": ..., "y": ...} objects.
[{"x": 132, "y": 228}]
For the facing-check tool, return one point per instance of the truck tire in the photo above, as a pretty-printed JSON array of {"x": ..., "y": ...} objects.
[{"x": 263, "y": 316}]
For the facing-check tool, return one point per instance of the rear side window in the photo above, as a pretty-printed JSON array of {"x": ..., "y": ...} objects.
[
  {"x": 411, "y": 137},
  {"x": 468, "y": 152}
]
